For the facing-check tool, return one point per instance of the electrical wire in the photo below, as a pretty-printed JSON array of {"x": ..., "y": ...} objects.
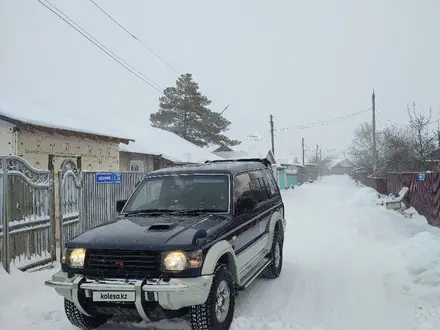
[
  {"x": 98, "y": 44},
  {"x": 321, "y": 123},
  {"x": 405, "y": 125},
  {"x": 312, "y": 125},
  {"x": 135, "y": 38}
]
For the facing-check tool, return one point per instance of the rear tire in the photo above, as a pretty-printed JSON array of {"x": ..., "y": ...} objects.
[
  {"x": 82, "y": 321},
  {"x": 276, "y": 255},
  {"x": 218, "y": 310}
]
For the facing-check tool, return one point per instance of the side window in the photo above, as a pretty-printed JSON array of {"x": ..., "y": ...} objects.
[
  {"x": 270, "y": 183},
  {"x": 258, "y": 186},
  {"x": 241, "y": 186}
]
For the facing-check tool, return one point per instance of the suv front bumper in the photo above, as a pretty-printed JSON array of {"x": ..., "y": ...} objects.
[{"x": 172, "y": 295}]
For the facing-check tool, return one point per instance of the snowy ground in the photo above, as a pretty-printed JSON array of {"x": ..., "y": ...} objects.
[{"x": 348, "y": 264}]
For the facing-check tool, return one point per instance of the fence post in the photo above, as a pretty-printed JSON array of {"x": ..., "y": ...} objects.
[
  {"x": 52, "y": 239},
  {"x": 4, "y": 189},
  {"x": 61, "y": 210},
  {"x": 82, "y": 203}
]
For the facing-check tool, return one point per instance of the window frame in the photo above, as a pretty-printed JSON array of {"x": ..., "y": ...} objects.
[{"x": 138, "y": 163}]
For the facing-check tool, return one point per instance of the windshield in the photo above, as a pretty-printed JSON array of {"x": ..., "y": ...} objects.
[{"x": 181, "y": 193}]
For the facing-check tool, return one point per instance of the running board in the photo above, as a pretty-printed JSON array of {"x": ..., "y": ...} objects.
[{"x": 254, "y": 273}]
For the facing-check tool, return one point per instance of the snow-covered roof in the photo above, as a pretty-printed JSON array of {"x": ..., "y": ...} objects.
[
  {"x": 246, "y": 154},
  {"x": 38, "y": 114},
  {"x": 344, "y": 162},
  {"x": 155, "y": 141}
]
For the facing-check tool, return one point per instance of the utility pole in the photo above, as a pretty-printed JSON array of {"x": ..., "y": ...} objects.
[
  {"x": 320, "y": 162},
  {"x": 438, "y": 128},
  {"x": 272, "y": 135},
  {"x": 302, "y": 147},
  {"x": 373, "y": 100},
  {"x": 316, "y": 155}
]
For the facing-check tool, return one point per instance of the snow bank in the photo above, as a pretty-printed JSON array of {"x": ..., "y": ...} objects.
[
  {"x": 422, "y": 254},
  {"x": 421, "y": 251},
  {"x": 363, "y": 196}
]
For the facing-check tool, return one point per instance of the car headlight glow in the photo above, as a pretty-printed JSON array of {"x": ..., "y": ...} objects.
[
  {"x": 75, "y": 258},
  {"x": 176, "y": 261}
]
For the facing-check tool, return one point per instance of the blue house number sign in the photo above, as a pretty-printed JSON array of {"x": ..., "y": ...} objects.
[
  {"x": 421, "y": 176},
  {"x": 108, "y": 178}
]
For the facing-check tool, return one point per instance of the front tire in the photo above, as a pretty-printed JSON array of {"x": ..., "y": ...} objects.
[
  {"x": 276, "y": 255},
  {"x": 82, "y": 321},
  {"x": 218, "y": 310}
]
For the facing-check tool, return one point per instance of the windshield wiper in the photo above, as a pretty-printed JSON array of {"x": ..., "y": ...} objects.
[
  {"x": 149, "y": 211},
  {"x": 196, "y": 211}
]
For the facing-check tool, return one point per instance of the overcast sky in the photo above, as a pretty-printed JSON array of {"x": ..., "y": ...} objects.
[{"x": 302, "y": 61}]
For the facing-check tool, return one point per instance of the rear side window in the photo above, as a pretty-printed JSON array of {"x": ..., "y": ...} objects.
[
  {"x": 258, "y": 186},
  {"x": 270, "y": 183},
  {"x": 242, "y": 186}
]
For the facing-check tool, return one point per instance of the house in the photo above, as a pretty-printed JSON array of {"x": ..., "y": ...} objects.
[
  {"x": 226, "y": 152},
  {"x": 341, "y": 166},
  {"x": 38, "y": 134},
  {"x": 295, "y": 173},
  {"x": 156, "y": 148},
  {"x": 45, "y": 138}
]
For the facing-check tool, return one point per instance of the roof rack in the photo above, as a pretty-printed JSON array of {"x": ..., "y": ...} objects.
[{"x": 265, "y": 161}]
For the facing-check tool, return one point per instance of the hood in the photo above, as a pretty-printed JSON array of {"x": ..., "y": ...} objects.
[{"x": 153, "y": 233}]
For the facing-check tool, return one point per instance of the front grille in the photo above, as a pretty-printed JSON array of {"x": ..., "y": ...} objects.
[{"x": 122, "y": 264}]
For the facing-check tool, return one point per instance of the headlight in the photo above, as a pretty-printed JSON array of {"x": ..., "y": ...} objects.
[
  {"x": 75, "y": 258},
  {"x": 176, "y": 261}
]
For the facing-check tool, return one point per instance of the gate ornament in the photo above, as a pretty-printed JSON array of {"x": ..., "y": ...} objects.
[{"x": 23, "y": 169}]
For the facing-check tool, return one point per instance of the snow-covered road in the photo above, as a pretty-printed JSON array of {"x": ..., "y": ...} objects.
[{"x": 348, "y": 264}]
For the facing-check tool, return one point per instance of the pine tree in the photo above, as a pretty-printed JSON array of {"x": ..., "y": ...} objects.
[{"x": 184, "y": 111}]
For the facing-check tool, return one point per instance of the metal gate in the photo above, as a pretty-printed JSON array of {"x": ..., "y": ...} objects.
[
  {"x": 27, "y": 219},
  {"x": 70, "y": 206}
]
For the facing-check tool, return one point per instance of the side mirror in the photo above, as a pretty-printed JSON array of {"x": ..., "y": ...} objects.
[
  {"x": 120, "y": 205},
  {"x": 245, "y": 204}
]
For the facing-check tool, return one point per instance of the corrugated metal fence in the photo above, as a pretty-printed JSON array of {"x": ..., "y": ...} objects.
[
  {"x": 86, "y": 203},
  {"x": 28, "y": 229},
  {"x": 423, "y": 195}
]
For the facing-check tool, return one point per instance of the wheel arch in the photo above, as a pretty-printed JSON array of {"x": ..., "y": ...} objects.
[
  {"x": 275, "y": 223},
  {"x": 221, "y": 252}
]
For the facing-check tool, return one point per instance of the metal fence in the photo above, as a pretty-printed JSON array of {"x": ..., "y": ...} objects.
[
  {"x": 85, "y": 202},
  {"x": 26, "y": 231},
  {"x": 423, "y": 193}
]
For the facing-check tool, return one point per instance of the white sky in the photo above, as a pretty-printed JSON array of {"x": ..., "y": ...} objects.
[{"x": 302, "y": 61}]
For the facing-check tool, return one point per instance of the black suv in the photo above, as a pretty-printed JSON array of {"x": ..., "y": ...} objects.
[{"x": 186, "y": 242}]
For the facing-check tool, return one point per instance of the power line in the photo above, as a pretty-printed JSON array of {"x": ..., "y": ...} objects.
[
  {"x": 134, "y": 37},
  {"x": 98, "y": 44},
  {"x": 312, "y": 125},
  {"x": 396, "y": 123},
  {"x": 321, "y": 123}
]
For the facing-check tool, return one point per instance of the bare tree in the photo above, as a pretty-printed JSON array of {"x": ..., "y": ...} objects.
[
  {"x": 424, "y": 142},
  {"x": 398, "y": 151},
  {"x": 323, "y": 165},
  {"x": 361, "y": 148}
]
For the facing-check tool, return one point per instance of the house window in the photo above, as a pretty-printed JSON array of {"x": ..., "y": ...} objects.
[{"x": 136, "y": 166}]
